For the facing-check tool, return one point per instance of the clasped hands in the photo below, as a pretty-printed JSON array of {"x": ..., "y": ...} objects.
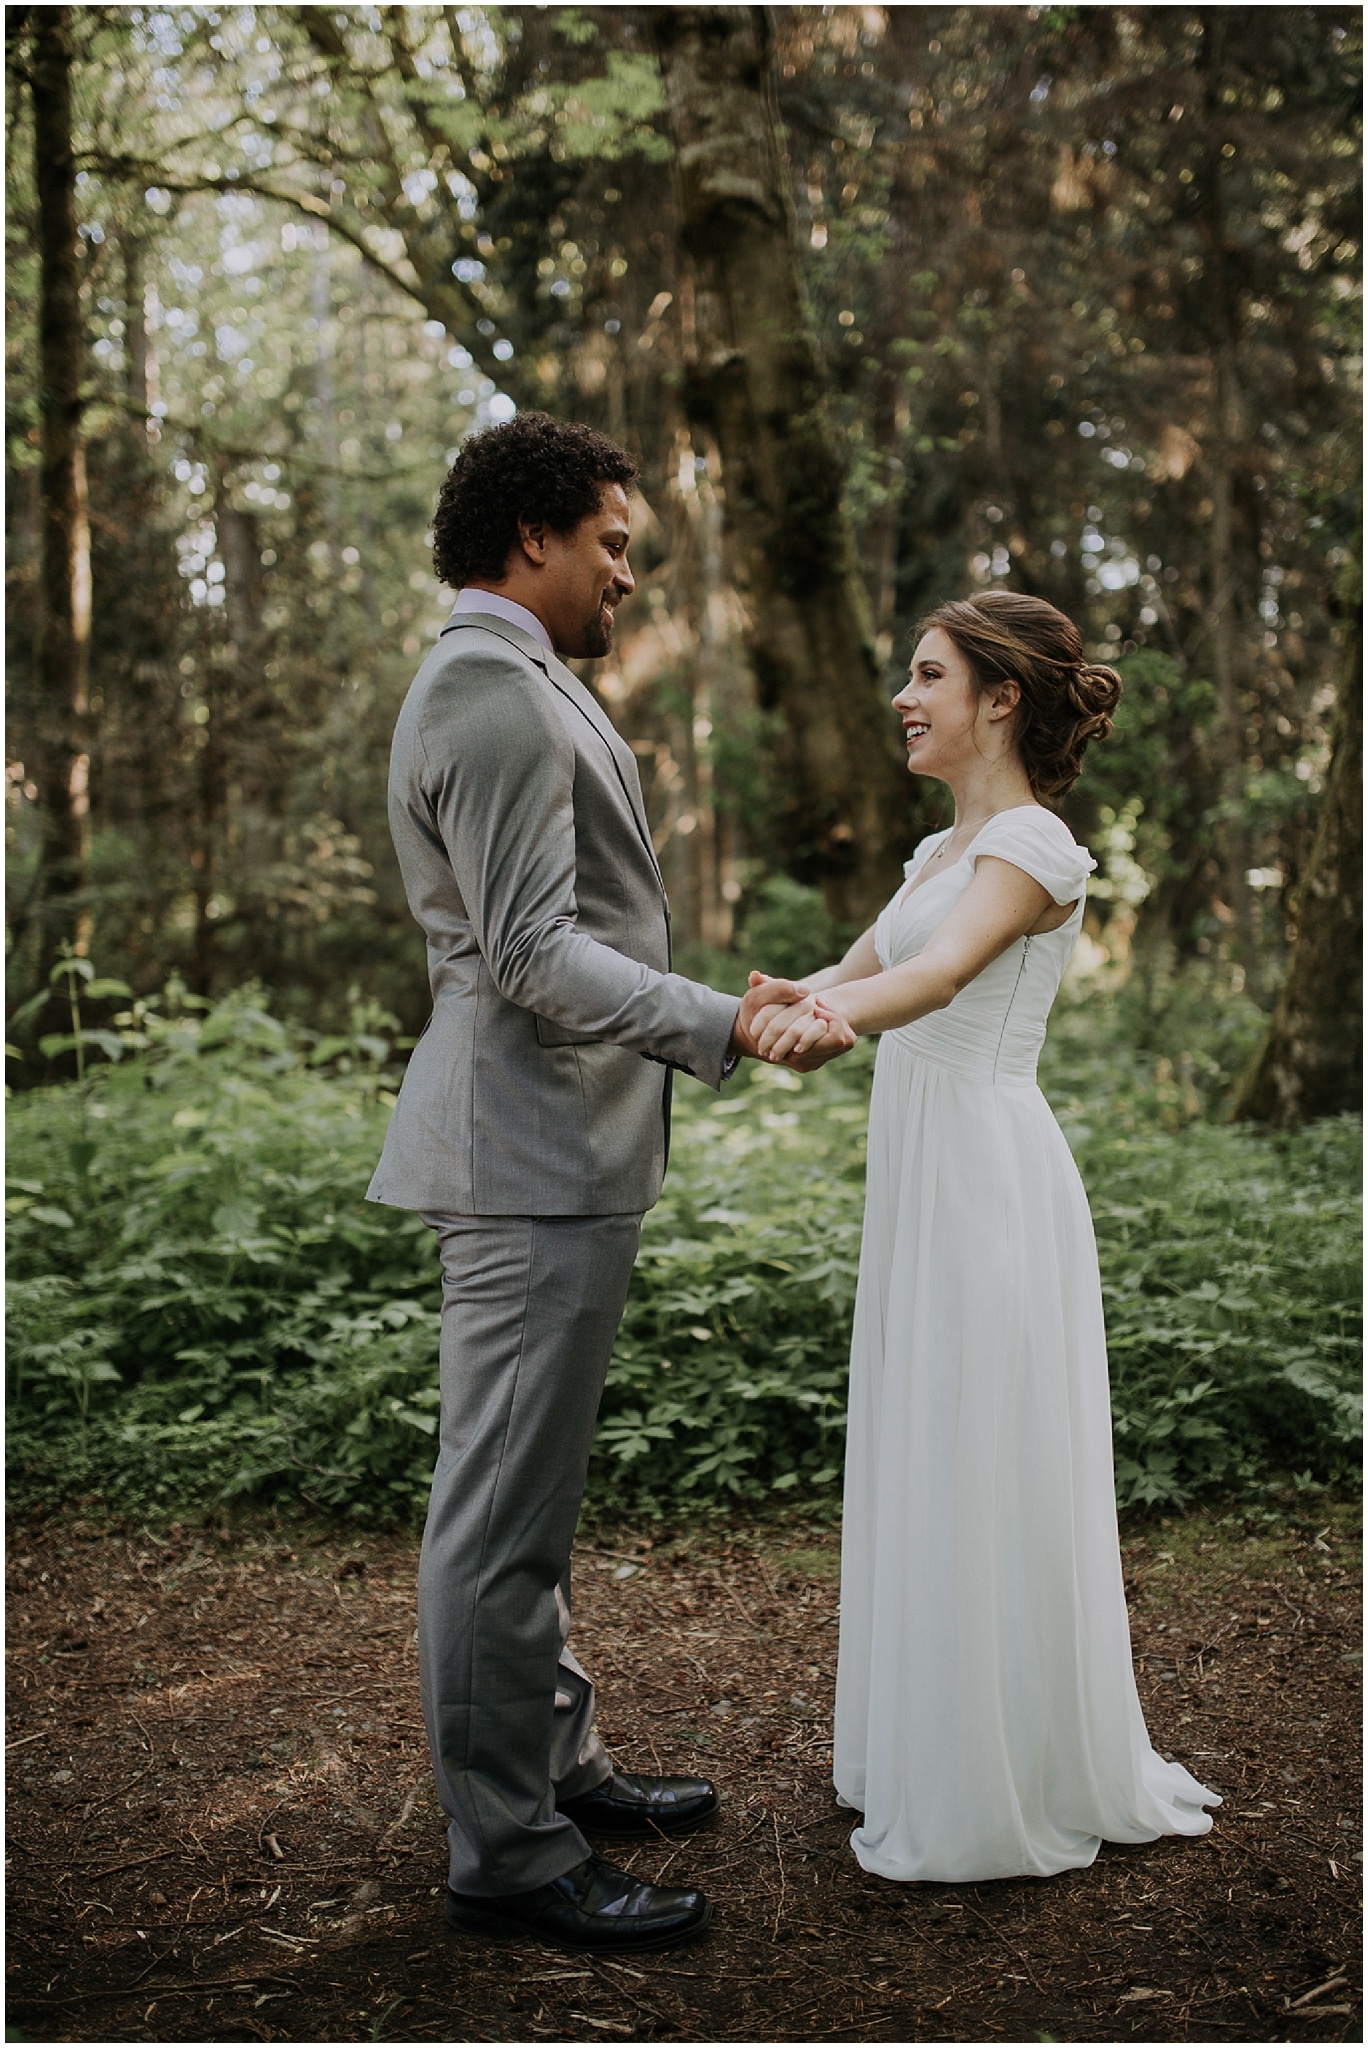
[{"x": 785, "y": 1023}]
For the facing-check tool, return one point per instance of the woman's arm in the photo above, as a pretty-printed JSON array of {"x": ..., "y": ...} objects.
[
  {"x": 1001, "y": 905},
  {"x": 859, "y": 963}
]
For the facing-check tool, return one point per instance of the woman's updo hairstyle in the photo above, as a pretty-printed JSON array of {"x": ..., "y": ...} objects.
[{"x": 1066, "y": 702}]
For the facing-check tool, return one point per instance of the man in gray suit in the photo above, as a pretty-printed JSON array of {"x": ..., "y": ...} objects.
[{"x": 531, "y": 1131}]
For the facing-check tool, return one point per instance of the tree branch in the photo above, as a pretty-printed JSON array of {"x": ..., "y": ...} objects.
[{"x": 408, "y": 71}]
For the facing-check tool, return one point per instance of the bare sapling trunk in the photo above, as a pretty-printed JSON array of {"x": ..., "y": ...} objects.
[
  {"x": 1311, "y": 1063},
  {"x": 1226, "y": 650},
  {"x": 135, "y": 338},
  {"x": 756, "y": 386}
]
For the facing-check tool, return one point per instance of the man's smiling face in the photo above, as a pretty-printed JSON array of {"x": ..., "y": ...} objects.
[{"x": 584, "y": 576}]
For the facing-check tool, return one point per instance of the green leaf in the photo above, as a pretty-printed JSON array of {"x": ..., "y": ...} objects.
[
  {"x": 30, "y": 1008},
  {"x": 328, "y": 1049},
  {"x": 72, "y": 967}
]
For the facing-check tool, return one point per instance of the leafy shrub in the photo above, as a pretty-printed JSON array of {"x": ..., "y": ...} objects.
[
  {"x": 202, "y": 1305},
  {"x": 195, "y": 1281},
  {"x": 1230, "y": 1271},
  {"x": 789, "y": 930}
]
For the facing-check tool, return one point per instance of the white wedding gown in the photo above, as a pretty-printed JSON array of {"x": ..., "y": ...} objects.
[{"x": 987, "y": 1721}]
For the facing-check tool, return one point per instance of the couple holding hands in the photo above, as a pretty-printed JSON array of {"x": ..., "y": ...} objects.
[{"x": 987, "y": 1720}]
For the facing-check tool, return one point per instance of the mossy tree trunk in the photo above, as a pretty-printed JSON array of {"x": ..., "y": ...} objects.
[
  {"x": 1311, "y": 1062},
  {"x": 755, "y": 384},
  {"x": 61, "y": 904}
]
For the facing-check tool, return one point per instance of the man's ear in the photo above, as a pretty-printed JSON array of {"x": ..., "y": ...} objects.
[{"x": 532, "y": 540}]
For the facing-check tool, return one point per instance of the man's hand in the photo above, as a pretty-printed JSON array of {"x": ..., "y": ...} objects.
[
  {"x": 763, "y": 1000},
  {"x": 782, "y": 1022}
]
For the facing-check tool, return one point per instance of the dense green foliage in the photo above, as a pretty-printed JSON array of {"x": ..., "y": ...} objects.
[{"x": 202, "y": 1305}]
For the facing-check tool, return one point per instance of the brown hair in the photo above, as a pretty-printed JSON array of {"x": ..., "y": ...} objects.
[{"x": 1065, "y": 701}]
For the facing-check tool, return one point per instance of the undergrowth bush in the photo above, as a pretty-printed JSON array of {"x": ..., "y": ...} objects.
[{"x": 203, "y": 1306}]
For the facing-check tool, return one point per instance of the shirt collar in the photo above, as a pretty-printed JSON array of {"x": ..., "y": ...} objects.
[{"x": 503, "y": 608}]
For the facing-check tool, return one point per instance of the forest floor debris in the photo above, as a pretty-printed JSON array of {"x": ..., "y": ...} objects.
[{"x": 222, "y": 1824}]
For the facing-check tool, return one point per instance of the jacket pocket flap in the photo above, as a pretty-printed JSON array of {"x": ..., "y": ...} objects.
[{"x": 550, "y": 1034}]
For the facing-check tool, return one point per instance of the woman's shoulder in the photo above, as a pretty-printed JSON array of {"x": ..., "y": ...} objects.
[
  {"x": 1030, "y": 823},
  {"x": 1041, "y": 843}
]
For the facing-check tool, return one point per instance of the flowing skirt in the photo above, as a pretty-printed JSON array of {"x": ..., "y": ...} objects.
[{"x": 987, "y": 1719}]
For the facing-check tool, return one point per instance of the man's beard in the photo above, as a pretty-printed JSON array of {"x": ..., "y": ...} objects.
[{"x": 597, "y": 637}]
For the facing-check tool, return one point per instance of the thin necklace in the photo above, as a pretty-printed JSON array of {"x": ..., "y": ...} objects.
[
  {"x": 955, "y": 829},
  {"x": 949, "y": 839}
]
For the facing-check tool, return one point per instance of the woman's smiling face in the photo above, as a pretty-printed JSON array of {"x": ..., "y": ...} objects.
[{"x": 940, "y": 706}]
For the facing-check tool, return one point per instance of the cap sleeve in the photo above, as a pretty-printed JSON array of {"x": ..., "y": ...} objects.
[{"x": 1042, "y": 846}]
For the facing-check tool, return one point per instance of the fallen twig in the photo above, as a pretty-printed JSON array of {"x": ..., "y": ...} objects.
[
  {"x": 170, "y": 1990},
  {"x": 866, "y": 2019},
  {"x": 783, "y": 1881},
  {"x": 94, "y": 1805},
  {"x": 770, "y": 1585},
  {"x": 1008, "y": 1946},
  {"x": 1307, "y": 1997},
  {"x": 405, "y": 1815},
  {"x": 129, "y": 1863},
  {"x": 735, "y": 1599},
  {"x": 155, "y": 1964}
]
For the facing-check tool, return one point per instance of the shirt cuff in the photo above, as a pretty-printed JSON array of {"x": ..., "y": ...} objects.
[{"x": 730, "y": 1065}]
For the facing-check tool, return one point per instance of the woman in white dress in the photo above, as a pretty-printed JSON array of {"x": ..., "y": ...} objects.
[{"x": 987, "y": 1720}]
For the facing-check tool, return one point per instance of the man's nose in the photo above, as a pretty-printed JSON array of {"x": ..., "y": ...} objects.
[{"x": 623, "y": 578}]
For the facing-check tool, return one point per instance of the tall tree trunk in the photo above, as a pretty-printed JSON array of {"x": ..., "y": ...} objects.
[
  {"x": 63, "y": 641},
  {"x": 1224, "y": 608},
  {"x": 320, "y": 299},
  {"x": 135, "y": 337},
  {"x": 1223, "y": 616},
  {"x": 889, "y": 423},
  {"x": 1311, "y": 1062},
  {"x": 756, "y": 385}
]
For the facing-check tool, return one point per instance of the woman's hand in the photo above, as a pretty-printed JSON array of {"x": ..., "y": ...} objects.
[{"x": 803, "y": 1035}]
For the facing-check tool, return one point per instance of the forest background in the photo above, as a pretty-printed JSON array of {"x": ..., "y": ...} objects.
[{"x": 891, "y": 304}]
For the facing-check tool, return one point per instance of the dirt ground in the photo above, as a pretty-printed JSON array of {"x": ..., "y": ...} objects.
[{"x": 222, "y": 1825}]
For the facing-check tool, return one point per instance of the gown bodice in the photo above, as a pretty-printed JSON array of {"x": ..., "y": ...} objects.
[{"x": 995, "y": 1027}]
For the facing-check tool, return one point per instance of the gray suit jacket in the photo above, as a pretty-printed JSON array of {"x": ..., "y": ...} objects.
[{"x": 537, "y": 1088}]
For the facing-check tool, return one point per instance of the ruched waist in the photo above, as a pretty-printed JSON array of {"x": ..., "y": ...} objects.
[{"x": 1001, "y": 1060}]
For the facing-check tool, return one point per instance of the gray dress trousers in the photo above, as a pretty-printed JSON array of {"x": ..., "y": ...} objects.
[{"x": 530, "y": 1308}]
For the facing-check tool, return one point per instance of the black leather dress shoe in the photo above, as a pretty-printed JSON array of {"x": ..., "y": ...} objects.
[
  {"x": 628, "y": 1805},
  {"x": 593, "y": 1906}
]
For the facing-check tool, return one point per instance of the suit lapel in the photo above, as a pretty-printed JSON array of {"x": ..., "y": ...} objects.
[
  {"x": 572, "y": 689},
  {"x": 584, "y": 701}
]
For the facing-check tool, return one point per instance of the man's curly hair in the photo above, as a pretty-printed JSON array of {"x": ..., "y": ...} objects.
[{"x": 535, "y": 469}]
